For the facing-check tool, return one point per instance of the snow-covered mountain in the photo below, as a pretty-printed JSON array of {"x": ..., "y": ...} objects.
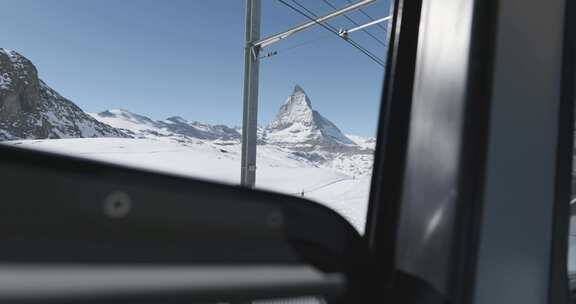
[
  {"x": 304, "y": 131},
  {"x": 30, "y": 109},
  {"x": 173, "y": 128},
  {"x": 298, "y": 131},
  {"x": 201, "y": 130},
  {"x": 300, "y": 127}
]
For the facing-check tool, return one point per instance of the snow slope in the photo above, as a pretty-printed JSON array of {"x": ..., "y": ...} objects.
[
  {"x": 362, "y": 141},
  {"x": 278, "y": 169}
]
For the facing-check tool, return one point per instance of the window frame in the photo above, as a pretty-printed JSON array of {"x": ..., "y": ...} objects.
[{"x": 559, "y": 280}]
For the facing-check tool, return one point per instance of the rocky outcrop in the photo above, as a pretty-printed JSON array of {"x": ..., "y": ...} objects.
[{"x": 30, "y": 109}]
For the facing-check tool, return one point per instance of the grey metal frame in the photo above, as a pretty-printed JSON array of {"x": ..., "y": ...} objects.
[
  {"x": 485, "y": 177},
  {"x": 516, "y": 237}
]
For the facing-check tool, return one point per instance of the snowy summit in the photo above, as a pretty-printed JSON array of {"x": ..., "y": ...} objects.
[{"x": 298, "y": 124}]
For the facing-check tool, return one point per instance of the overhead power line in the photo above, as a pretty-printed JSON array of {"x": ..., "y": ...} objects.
[
  {"x": 355, "y": 23},
  {"x": 333, "y": 30},
  {"x": 262, "y": 43},
  {"x": 304, "y": 43},
  {"x": 370, "y": 17}
]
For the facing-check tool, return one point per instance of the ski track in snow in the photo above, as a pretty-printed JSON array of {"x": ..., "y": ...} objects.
[{"x": 277, "y": 170}]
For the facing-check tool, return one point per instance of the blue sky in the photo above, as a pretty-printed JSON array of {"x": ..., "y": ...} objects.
[{"x": 185, "y": 57}]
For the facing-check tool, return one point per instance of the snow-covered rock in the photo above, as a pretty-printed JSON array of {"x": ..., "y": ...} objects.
[
  {"x": 200, "y": 130},
  {"x": 362, "y": 141},
  {"x": 131, "y": 123},
  {"x": 30, "y": 109},
  {"x": 176, "y": 128}
]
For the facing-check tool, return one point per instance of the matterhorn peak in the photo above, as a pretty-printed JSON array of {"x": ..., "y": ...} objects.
[
  {"x": 297, "y": 109},
  {"x": 298, "y": 90},
  {"x": 299, "y": 96},
  {"x": 296, "y": 121}
]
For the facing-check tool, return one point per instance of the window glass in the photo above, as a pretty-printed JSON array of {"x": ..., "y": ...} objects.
[{"x": 158, "y": 85}]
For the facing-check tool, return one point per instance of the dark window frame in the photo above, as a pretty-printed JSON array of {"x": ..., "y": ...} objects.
[{"x": 559, "y": 284}]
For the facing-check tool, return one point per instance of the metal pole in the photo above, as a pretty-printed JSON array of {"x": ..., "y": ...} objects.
[{"x": 250, "y": 112}]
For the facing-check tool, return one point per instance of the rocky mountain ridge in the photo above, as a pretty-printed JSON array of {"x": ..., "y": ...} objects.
[{"x": 30, "y": 109}]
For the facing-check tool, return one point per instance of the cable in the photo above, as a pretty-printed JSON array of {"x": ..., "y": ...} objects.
[
  {"x": 295, "y": 46},
  {"x": 355, "y": 23},
  {"x": 369, "y": 17},
  {"x": 335, "y": 32},
  {"x": 313, "y": 14},
  {"x": 304, "y": 43},
  {"x": 332, "y": 29}
]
